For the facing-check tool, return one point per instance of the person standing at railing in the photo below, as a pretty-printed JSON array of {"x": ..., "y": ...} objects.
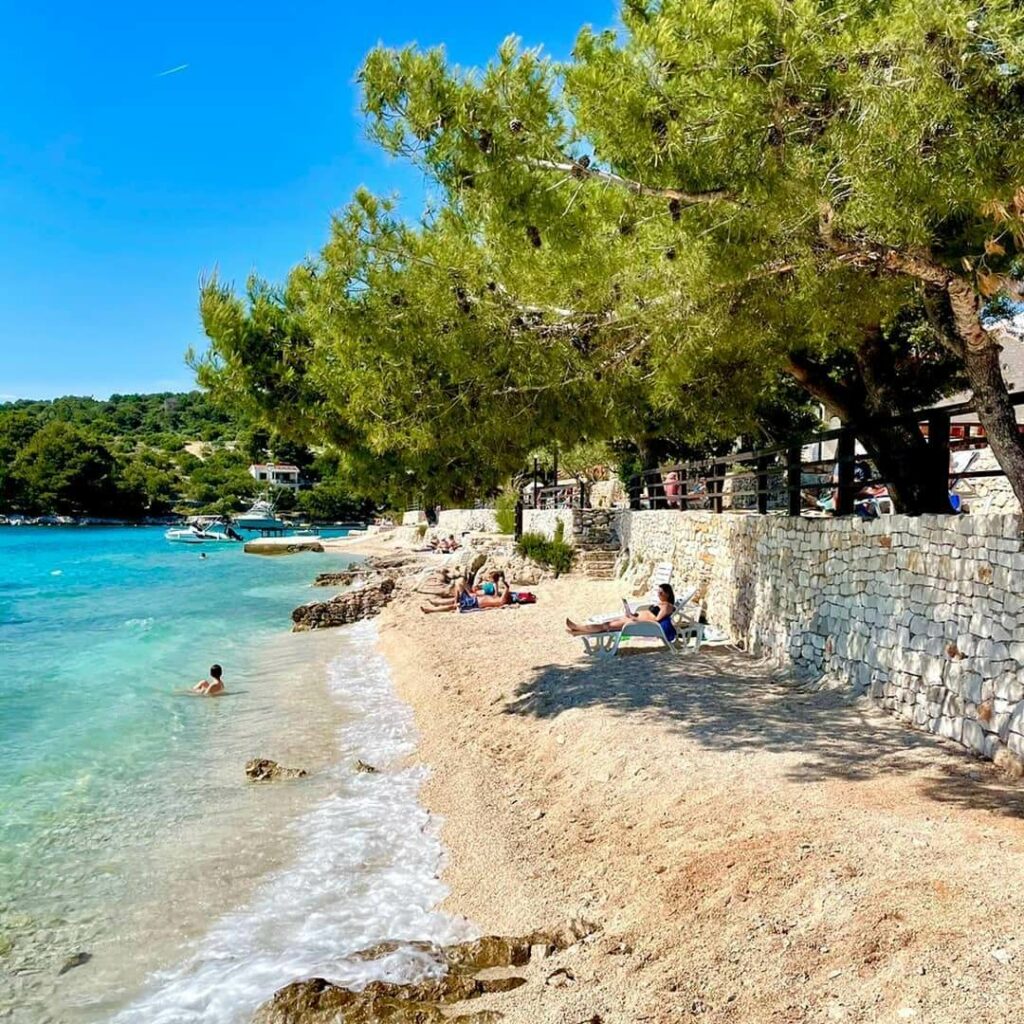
[{"x": 672, "y": 489}]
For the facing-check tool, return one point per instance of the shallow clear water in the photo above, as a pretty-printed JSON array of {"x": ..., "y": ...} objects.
[{"x": 127, "y": 828}]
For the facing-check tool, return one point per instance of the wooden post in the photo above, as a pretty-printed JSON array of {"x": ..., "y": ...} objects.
[
  {"x": 846, "y": 451},
  {"x": 536, "y": 489},
  {"x": 762, "y": 485},
  {"x": 938, "y": 447},
  {"x": 519, "y": 520},
  {"x": 793, "y": 479},
  {"x": 718, "y": 470}
]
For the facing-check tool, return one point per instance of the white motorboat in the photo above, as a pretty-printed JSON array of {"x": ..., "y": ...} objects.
[
  {"x": 196, "y": 534},
  {"x": 260, "y": 518}
]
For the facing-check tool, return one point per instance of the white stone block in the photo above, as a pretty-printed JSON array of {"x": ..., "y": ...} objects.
[{"x": 973, "y": 736}]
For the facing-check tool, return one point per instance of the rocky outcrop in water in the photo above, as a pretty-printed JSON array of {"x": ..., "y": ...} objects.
[
  {"x": 262, "y": 769},
  {"x": 433, "y": 1001},
  {"x": 344, "y": 608},
  {"x": 337, "y": 579}
]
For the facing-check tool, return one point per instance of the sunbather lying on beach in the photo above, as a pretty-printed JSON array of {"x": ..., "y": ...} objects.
[
  {"x": 660, "y": 613},
  {"x": 466, "y": 600},
  {"x": 213, "y": 686}
]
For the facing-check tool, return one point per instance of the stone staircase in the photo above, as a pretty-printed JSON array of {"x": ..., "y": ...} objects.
[
  {"x": 596, "y": 542},
  {"x": 597, "y": 563}
]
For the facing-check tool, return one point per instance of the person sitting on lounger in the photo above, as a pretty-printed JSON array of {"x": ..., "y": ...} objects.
[
  {"x": 660, "y": 613},
  {"x": 465, "y": 600}
]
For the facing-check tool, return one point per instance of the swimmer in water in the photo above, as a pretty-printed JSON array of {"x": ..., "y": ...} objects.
[
  {"x": 202, "y": 554},
  {"x": 213, "y": 686}
]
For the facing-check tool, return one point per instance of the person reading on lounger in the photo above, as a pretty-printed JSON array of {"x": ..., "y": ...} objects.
[
  {"x": 660, "y": 613},
  {"x": 465, "y": 600}
]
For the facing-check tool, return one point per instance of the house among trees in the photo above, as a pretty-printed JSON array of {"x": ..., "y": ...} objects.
[{"x": 275, "y": 474}]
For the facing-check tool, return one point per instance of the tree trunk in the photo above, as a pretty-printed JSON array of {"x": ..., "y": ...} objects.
[
  {"x": 918, "y": 481},
  {"x": 985, "y": 376},
  {"x": 652, "y": 461},
  {"x": 899, "y": 451},
  {"x": 972, "y": 343}
]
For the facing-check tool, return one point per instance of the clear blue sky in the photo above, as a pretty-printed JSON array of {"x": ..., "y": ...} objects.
[{"x": 119, "y": 188}]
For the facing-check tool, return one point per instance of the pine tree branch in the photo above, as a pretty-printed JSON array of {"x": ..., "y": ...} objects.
[{"x": 579, "y": 170}]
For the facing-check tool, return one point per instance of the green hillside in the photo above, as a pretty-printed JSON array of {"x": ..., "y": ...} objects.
[{"x": 142, "y": 455}]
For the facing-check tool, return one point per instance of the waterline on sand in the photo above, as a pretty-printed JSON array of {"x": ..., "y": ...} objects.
[{"x": 366, "y": 870}]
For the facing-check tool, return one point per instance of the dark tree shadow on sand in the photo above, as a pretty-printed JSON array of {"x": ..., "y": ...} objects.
[{"x": 728, "y": 701}]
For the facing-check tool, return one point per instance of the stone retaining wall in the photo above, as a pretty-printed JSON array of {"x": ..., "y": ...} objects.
[
  {"x": 544, "y": 521},
  {"x": 925, "y": 614},
  {"x": 466, "y": 520},
  {"x": 590, "y": 529}
]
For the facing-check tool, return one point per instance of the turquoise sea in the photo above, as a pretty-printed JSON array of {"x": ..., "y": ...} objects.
[{"x": 132, "y": 849}]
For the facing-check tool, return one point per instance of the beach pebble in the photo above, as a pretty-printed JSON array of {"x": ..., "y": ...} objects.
[
  {"x": 73, "y": 961},
  {"x": 560, "y": 978}
]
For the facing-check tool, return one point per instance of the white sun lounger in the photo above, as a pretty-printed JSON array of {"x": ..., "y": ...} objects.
[
  {"x": 662, "y": 574},
  {"x": 606, "y": 644}
]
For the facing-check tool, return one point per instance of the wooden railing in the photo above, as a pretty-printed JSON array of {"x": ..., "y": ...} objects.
[{"x": 783, "y": 480}]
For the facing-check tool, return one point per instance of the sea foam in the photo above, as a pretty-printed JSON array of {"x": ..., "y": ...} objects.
[{"x": 366, "y": 871}]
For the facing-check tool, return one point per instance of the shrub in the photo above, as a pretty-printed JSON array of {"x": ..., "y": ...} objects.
[
  {"x": 421, "y": 531},
  {"x": 505, "y": 510},
  {"x": 555, "y": 554}
]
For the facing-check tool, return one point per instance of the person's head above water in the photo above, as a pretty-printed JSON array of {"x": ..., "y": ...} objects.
[{"x": 216, "y": 671}]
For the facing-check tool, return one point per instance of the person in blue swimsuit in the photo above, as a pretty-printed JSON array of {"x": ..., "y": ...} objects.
[
  {"x": 465, "y": 600},
  {"x": 660, "y": 613}
]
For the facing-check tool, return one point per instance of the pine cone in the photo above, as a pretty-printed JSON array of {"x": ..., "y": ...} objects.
[
  {"x": 515, "y": 126},
  {"x": 484, "y": 140},
  {"x": 775, "y": 136},
  {"x": 533, "y": 235},
  {"x": 670, "y": 252},
  {"x": 675, "y": 209}
]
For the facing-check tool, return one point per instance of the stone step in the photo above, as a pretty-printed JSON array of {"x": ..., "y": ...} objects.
[{"x": 597, "y": 563}]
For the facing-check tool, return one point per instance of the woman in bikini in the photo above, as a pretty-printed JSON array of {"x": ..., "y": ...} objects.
[{"x": 660, "y": 613}]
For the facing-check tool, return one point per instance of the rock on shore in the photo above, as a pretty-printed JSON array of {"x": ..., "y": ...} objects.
[
  {"x": 353, "y": 606},
  {"x": 317, "y": 1001},
  {"x": 262, "y": 769}
]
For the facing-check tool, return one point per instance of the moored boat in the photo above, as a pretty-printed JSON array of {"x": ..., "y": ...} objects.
[
  {"x": 195, "y": 533},
  {"x": 260, "y": 518}
]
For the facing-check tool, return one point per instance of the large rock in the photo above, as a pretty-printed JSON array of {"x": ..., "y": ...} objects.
[
  {"x": 389, "y": 561},
  {"x": 352, "y": 606},
  {"x": 317, "y": 1001},
  {"x": 337, "y": 579},
  {"x": 262, "y": 769}
]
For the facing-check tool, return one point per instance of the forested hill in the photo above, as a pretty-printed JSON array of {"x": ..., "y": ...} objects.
[
  {"x": 136, "y": 455},
  {"x": 124, "y": 457},
  {"x": 159, "y": 419}
]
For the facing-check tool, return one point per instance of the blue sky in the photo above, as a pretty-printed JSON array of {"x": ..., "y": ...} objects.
[{"x": 119, "y": 188}]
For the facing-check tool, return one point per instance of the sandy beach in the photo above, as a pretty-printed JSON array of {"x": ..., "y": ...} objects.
[{"x": 752, "y": 851}]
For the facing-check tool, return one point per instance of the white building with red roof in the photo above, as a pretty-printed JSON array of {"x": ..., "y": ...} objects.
[{"x": 275, "y": 474}]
